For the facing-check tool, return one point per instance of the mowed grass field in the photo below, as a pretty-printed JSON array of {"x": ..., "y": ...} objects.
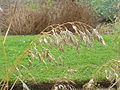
[{"x": 77, "y": 67}]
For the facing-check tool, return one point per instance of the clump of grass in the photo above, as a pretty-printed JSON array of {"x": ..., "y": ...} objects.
[{"x": 111, "y": 71}]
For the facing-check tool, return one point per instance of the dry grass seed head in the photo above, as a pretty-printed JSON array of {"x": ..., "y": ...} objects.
[{"x": 86, "y": 33}]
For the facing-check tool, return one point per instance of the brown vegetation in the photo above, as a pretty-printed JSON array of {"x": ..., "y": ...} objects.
[
  {"x": 63, "y": 12},
  {"x": 33, "y": 21},
  {"x": 25, "y": 21}
]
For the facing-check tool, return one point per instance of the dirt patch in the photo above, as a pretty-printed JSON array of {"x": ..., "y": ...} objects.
[
  {"x": 40, "y": 86},
  {"x": 48, "y": 86}
]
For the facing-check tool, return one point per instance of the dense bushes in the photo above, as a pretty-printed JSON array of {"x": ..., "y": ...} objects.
[
  {"x": 68, "y": 11},
  {"x": 24, "y": 21},
  {"x": 33, "y": 21}
]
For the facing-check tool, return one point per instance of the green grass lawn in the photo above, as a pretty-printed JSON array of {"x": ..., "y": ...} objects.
[{"x": 85, "y": 64}]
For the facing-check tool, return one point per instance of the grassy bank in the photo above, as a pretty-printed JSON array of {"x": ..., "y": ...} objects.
[{"x": 78, "y": 67}]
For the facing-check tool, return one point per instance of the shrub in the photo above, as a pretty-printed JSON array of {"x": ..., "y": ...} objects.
[
  {"x": 32, "y": 21},
  {"x": 68, "y": 11},
  {"x": 25, "y": 21}
]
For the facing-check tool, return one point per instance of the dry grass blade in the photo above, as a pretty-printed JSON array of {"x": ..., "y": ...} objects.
[
  {"x": 61, "y": 60},
  {"x": 18, "y": 70},
  {"x": 90, "y": 85},
  {"x": 24, "y": 85},
  {"x": 31, "y": 76},
  {"x": 10, "y": 24},
  {"x": 30, "y": 62},
  {"x": 5, "y": 81},
  {"x": 1, "y": 10},
  {"x": 7, "y": 32},
  {"x": 50, "y": 58},
  {"x": 64, "y": 85},
  {"x": 14, "y": 84},
  {"x": 39, "y": 56}
]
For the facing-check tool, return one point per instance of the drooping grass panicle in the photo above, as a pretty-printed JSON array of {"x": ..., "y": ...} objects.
[{"x": 62, "y": 34}]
